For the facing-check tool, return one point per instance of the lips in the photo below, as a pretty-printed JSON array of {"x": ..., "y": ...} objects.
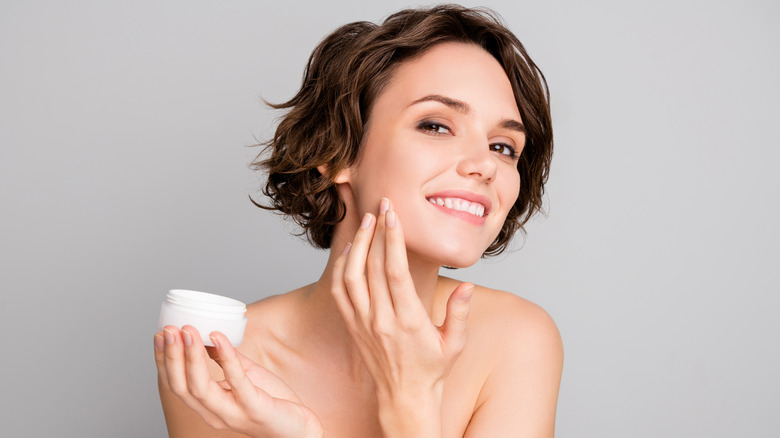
[{"x": 462, "y": 201}]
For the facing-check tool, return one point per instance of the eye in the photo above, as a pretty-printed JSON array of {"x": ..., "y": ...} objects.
[
  {"x": 504, "y": 149},
  {"x": 433, "y": 128}
]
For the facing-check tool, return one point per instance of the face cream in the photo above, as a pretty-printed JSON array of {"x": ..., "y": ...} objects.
[{"x": 206, "y": 312}]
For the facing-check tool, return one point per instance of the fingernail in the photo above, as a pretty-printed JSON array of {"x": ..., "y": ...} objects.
[
  {"x": 169, "y": 339},
  {"x": 366, "y": 221},
  {"x": 214, "y": 341},
  {"x": 159, "y": 342},
  {"x": 187, "y": 338},
  {"x": 384, "y": 205},
  {"x": 347, "y": 248},
  {"x": 390, "y": 219}
]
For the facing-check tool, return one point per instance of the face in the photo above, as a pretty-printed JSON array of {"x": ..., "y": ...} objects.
[{"x": 442, "y": 143}]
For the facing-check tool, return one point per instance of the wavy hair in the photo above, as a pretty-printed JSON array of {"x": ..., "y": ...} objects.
[{"x": 326, "y": 119}]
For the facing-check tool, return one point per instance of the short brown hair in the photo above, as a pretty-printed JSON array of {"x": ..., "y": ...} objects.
[{"x": 348, "y": 70}]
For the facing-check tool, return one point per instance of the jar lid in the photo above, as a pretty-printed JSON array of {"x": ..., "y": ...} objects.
[{"x": 205, "y": 301}]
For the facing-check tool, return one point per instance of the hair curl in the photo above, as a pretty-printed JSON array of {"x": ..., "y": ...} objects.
[{"x": 328, "y": 116}]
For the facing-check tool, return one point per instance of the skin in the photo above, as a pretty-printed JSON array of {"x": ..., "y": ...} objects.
[{"x": 381, "y": 345}]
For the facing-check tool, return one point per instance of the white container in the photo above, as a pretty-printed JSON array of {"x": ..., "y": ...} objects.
[{"x": 206, "y": 312}]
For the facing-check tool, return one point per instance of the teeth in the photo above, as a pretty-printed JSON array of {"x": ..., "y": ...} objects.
[{"x": 460, "y": 205}]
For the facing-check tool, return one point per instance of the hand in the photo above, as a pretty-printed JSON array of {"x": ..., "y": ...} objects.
[
  {"x": 250, "y": 400},
  {"x": 407, "y": 355}
]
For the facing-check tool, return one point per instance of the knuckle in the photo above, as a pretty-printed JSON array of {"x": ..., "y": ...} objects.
[
  {"x": 395, "y": 274},
  {"x": 234, "y": 375},
  {"x": 179, "y": 389},
  {"x": 232, "y": 421},
  {"x": 352, "y": 280},
  {"x": 336, "y": 290},
  {"x": 198, "y": 392},
  {"x": 383, "y": 327},
  {"x": 171, "y": 354},
  {"x": 215, "y": 423},
  {"x": 410, "y": 323},
  {"x": 456, "y": 346}
]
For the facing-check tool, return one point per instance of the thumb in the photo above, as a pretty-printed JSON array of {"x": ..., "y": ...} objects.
[{"x": 458, "y": 308}]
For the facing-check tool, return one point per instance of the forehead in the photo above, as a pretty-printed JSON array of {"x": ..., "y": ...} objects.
[{"x": 460, "y": 71}]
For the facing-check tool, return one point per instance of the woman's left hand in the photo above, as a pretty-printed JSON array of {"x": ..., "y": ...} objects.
[{"x": 406, "y": 354}]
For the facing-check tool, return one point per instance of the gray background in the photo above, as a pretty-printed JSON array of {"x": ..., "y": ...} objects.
[{"x": 123, "y": 173}]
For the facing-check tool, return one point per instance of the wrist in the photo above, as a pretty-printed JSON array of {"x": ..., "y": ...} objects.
[{"x": 411, "y": 414}]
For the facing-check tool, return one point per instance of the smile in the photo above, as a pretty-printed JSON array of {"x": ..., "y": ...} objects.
[{"x": 459, "y": 204}]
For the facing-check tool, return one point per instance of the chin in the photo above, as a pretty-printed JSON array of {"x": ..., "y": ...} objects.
[
  {"x": 462, "y": 262},
  {"x": 453, "y": 255}
]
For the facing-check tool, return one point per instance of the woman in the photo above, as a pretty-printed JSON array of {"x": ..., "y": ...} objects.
[{"x": 419, "y": 143}]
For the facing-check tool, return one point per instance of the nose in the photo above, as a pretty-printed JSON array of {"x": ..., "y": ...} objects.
[{"x": 477, "y": 162}]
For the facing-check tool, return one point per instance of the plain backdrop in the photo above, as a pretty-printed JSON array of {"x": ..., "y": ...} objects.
[{"x": 124, "y": 142}]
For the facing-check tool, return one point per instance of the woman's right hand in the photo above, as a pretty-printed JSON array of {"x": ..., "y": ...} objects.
[{"x": 251, "y": 400}]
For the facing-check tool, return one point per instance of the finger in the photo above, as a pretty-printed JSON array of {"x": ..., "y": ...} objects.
[
  {"x": 339, "y": 290},
  {"x": 458, "y": 308},
  {"x": 379, "y": 293},
  {"x": 208, "y": 399},
  {"x": 159, "y": 359},
  {"x": 177, "y": 375},
  {"x": 247, "y": 395},
  {"x": 355, "y": 269},
  {"x": 198, "y": 378},
  {"x": 404, "y": 295},
  {"x": 260, "y": 377},
  {"x": 174, "y": 361},
  {"x": 246, "y": 362}
]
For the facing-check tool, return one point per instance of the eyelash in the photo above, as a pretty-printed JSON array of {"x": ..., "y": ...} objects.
[
  {"x": 512, "y": 152},
  {"x": 433, "y": 128},
  {"x": 427, "y": 125}
]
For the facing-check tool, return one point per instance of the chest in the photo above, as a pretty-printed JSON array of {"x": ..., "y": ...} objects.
[{"x": 347, "y": 404}]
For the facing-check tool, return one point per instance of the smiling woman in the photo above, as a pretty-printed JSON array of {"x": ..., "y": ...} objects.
[
  {"x": 421, "y": 142},
  {"x": 438, "y": 131}
]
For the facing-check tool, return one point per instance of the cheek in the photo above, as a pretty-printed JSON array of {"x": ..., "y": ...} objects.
[
  {"x": 406, "y": 164},
  {"x": 509, "y": 189},
  {"x": 386, "y": 172}
]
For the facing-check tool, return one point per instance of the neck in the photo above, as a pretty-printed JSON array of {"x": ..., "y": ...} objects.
[{"x": 327, "y": 322}]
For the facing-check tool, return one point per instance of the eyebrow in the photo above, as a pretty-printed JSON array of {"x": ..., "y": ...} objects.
[
  {"x": 464, "y": 108},
  {"x": 457, "y": 105},
  {"x": 513, "y": 125}
]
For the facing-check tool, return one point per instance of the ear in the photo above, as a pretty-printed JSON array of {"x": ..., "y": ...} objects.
[{"x": 344, "y": 175}]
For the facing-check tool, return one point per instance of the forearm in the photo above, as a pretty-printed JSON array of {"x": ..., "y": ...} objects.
[{"x": 411, "y": 415}]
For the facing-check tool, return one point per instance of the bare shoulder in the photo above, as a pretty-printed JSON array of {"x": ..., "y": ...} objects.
[
  {"x": 514, "y": 334},
  {"x": 509, "y": 320},
  {"x": 268, "y": 310},
  {"x": 518, "y": 348},
  {"x": 517, "y": 318},
  {"x": 267, "y": 321}
]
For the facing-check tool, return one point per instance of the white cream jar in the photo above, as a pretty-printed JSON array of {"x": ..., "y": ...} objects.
[{"x": 206, "y": 312}]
